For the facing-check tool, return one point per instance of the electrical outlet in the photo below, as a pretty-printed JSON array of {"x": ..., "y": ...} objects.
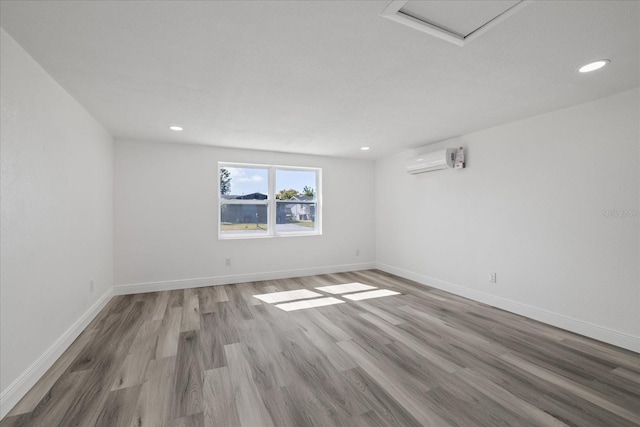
[
  {"x": 92, "y": 285},
  {"x": 493, "y": 278},
  {"x": 227, "y": 262}
]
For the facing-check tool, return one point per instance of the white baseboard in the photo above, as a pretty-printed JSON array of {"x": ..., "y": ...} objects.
[
  {"x": 581, "y": 327},
  {"x": 137, "y": 288},
  {"x": 17, "y": 389}
]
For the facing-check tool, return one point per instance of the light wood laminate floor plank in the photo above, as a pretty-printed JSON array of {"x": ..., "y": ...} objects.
[{"x": 218, "y": 356}]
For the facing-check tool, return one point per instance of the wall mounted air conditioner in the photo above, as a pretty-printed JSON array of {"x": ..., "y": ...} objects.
[{"x": 436, "y": 160}]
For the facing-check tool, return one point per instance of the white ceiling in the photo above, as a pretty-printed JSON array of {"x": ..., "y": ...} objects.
[{"x": 319, "y": 77}]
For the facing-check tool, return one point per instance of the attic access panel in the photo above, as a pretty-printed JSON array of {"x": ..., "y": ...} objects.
[{"x": 456, "y": 21}]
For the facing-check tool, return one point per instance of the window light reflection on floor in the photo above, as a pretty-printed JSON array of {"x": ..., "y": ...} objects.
[
  {"x": 299, "y": 299},
  {"x": 371, "y": 294},
  {"x": 347, "y": 287},
  {"x": 284, "y": 296},
  {"x": 309, "y": 303}
]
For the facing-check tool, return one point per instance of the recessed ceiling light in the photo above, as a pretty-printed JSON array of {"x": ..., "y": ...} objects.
[
  {"x": 175, "y": 128},
  {"x": 365, "y": 148},
  {"x": 596, "y": 65}
]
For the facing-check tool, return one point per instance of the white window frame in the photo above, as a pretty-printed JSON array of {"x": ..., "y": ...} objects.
[{"x": 270, "y": 202}]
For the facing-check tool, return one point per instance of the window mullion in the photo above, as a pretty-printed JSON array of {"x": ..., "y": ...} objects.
[{"x": 271, "y": 198}]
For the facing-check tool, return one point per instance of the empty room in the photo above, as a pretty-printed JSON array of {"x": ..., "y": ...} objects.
[{"x": 320, "y": 213}]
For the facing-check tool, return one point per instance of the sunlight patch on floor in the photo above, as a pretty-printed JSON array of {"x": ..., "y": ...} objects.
[
  {"x": 371, "y": 294},
  {"x": 309, "y": 303},
  {"x": 299, "y": 299},
  {"x": 276, "y": 297},
  {"x": 347, "y": 287}
]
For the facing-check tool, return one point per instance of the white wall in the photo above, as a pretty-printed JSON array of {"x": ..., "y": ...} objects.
[
  {"x": 166, "y": 213},
  {"x": 56, "y": 219},
  {"x": 530, "y": 207}
]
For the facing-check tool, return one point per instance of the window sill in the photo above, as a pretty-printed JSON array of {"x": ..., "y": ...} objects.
[{"x": 269, "y": 236}]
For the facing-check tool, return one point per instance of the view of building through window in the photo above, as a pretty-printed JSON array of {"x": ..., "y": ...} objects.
[{"x": 260, "y": 200}]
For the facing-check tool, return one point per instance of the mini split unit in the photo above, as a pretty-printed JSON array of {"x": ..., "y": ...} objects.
[{"x": 447, "y": 158}]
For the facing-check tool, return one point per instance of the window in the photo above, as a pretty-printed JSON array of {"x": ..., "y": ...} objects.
[{"x": 266, "y": 201}]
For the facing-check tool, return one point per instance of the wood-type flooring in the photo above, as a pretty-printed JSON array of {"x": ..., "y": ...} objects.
[{"x": 217, "y": 356}]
